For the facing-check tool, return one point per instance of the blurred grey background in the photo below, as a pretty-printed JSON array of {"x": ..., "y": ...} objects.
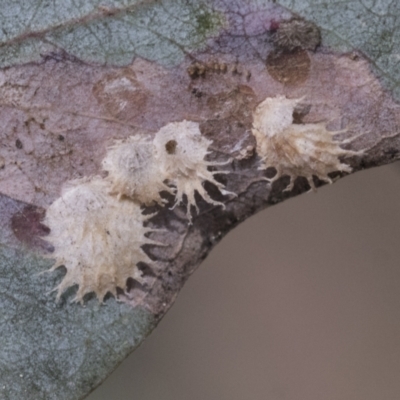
[{"x": 302, "y": 301}]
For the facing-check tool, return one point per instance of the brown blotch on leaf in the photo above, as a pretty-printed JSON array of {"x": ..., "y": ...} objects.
[
  {"x": 289, "y": 68},
  {"x": 121, "y": 95},
  {"x": 28, "y": 228},
  {"x": 233, "y": 111},
  {"x": 297, "y": 33}
]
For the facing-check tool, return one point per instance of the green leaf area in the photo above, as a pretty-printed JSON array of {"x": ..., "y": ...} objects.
[{"x": 114, "y": 33}]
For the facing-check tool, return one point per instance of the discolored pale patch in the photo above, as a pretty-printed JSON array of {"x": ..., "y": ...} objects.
[
  {"x": 97, "y": 227},
  {"x": 180, "y": 152},
  {"x": 291, "y": 68},
  {"x": 97, "y": 237},
  {"x": 133, "y": 170},
  {"x": 296, "y": 149},
  {"x": 139, "y": 168},
  {"x": 121, "y": 95},
  {"x": 77, "y": 129}
]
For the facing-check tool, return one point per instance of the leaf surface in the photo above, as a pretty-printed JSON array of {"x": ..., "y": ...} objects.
[{"x": 77, "y": 76}]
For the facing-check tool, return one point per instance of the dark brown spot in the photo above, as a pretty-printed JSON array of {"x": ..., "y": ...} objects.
[
  {"x": 28, "y": 121},
  {"x": 196, "y": 70},
  {"x": 28, "y": 228},
  {"x": 61, "y": 138},
  {"x": 170, "y": 146},
  {"x": 274, "y": 26},
  {"x": 197, "y": 93},
  {"x": 132, "y": 285},
  {"x": 18, "y": 144},
  {"x": 289, "y": 68},
  {"x": 300, "y": 112}
]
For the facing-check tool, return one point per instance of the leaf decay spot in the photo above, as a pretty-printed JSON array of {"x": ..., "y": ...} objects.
[
  {"x": 297, "y": 33},
  {"x": 234, "y": 117},
  {"x": 290, "y": 68},
  {"x": 28, "y": 228},
  {"x": 121, "y": 95}
]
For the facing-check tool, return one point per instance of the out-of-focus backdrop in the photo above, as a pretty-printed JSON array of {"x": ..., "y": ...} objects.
[{"x": 302, "y": 301}]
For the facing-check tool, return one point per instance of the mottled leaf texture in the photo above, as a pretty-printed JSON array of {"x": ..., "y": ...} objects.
[{"x": 77, "y": 76}]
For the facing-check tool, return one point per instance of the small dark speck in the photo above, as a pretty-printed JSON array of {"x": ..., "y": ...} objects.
[
  {"x": 61, "y": 138},
  {"x": 354, "y": 56},
  {"x": 108, "y": 232},
  {"x": 170, "y": 146},
  {"x": 18, "y": 144},
  {"x": 197, "y": 93}
]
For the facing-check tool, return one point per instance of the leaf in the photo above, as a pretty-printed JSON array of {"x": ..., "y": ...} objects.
[
  {"x": 112, "y": 34},
  {"x": 79, "y": 77},
  {"x": 54, "y": 350},
  {"x": 367, "y": 26}
]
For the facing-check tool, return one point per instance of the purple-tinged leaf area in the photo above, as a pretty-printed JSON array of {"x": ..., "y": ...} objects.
[
  {"x": 22, "y": 225},
  {"x": 28, "y": 227},
  {"x": 369, "y": 27},
  {"x": 58, "y": 118}
]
